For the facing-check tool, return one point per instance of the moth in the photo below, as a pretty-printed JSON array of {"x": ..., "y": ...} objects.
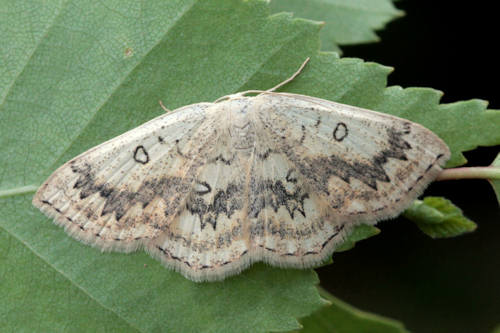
[{"x": 210, "y": 188}]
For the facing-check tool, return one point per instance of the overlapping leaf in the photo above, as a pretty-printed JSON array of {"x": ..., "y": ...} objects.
[
  {"x": 358, "y": 234},
  {"x": 339, "y": 317},
  {"x": 439, "y": 217},
  {"x": 346, "y": 21}
]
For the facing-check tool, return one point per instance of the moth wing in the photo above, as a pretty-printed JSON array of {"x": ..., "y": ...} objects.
[
  {"x": 287, "y": 201},
  {"x": 245, "y": 196},
  {"x": 122, "y": 193},
  {"x": 208, "y": 239},
  {"x": 277, "y": 177},
  {"x": 353, "y": 165},
  {"x": 288, "y": 220}
]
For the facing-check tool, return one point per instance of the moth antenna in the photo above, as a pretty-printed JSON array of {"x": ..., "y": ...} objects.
[
  {"x": 163, "y": 106},
  {"x": 243, "y": 93},
  {"x": 291, "y": 77}
]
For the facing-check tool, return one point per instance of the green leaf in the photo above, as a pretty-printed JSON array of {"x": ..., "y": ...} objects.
[
  {"x": 71, "y": 287},
  {"x": 495, "y": 183},
  {"x": 496, "y": 329},
  {"x": 339, "y": 317},
  {"x": 76, "y": 73},
  {"x": 439, "y": 217},
  {"x": 346, "y": 21},
  {"x": 359, "y": 233},
  {"x": 38, "y": 298}
]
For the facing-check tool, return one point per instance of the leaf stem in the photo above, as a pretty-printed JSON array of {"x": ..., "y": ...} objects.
[{"x": 489, "y": 172}]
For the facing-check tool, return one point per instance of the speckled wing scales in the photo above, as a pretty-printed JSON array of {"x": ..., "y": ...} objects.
[
  {"x": 356, "y": 155},
  {"x": 289, "y": 177},
  {"x": 119, "y": 195},
  {"x": 210, "y": 188},
  {"x": 207, "y": 240},
  {"x": 355, "y": 166}
]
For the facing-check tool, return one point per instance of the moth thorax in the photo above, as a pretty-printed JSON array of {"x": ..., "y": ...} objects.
[{"x": 241, "y": 129}]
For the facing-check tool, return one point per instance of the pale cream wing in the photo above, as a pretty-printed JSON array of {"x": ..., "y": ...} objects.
[
  {"x": 211, "y": 188},
  {"x": 124, "y": 192},
  {"x": 289, "y": 221},
  {"x": 207, "y": 240},
  {"x": 355, "y": 165},
  {"x": 232, "y": 216}
]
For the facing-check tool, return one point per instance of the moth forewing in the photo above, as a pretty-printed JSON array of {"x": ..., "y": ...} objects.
[{"x": 98, "y": 196}]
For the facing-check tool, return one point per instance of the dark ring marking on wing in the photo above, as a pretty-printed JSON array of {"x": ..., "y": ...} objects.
[
  {"x": 141, "y": 155},
  {"x": 340, "y": 132}
]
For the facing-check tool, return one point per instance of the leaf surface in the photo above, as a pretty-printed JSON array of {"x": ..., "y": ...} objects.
[
  {"x": 359, "y": 233},
  {"x": 339, "y": 317},
  {"x": 347, "y": 22},
  {"x": 439, "y": 217}
]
